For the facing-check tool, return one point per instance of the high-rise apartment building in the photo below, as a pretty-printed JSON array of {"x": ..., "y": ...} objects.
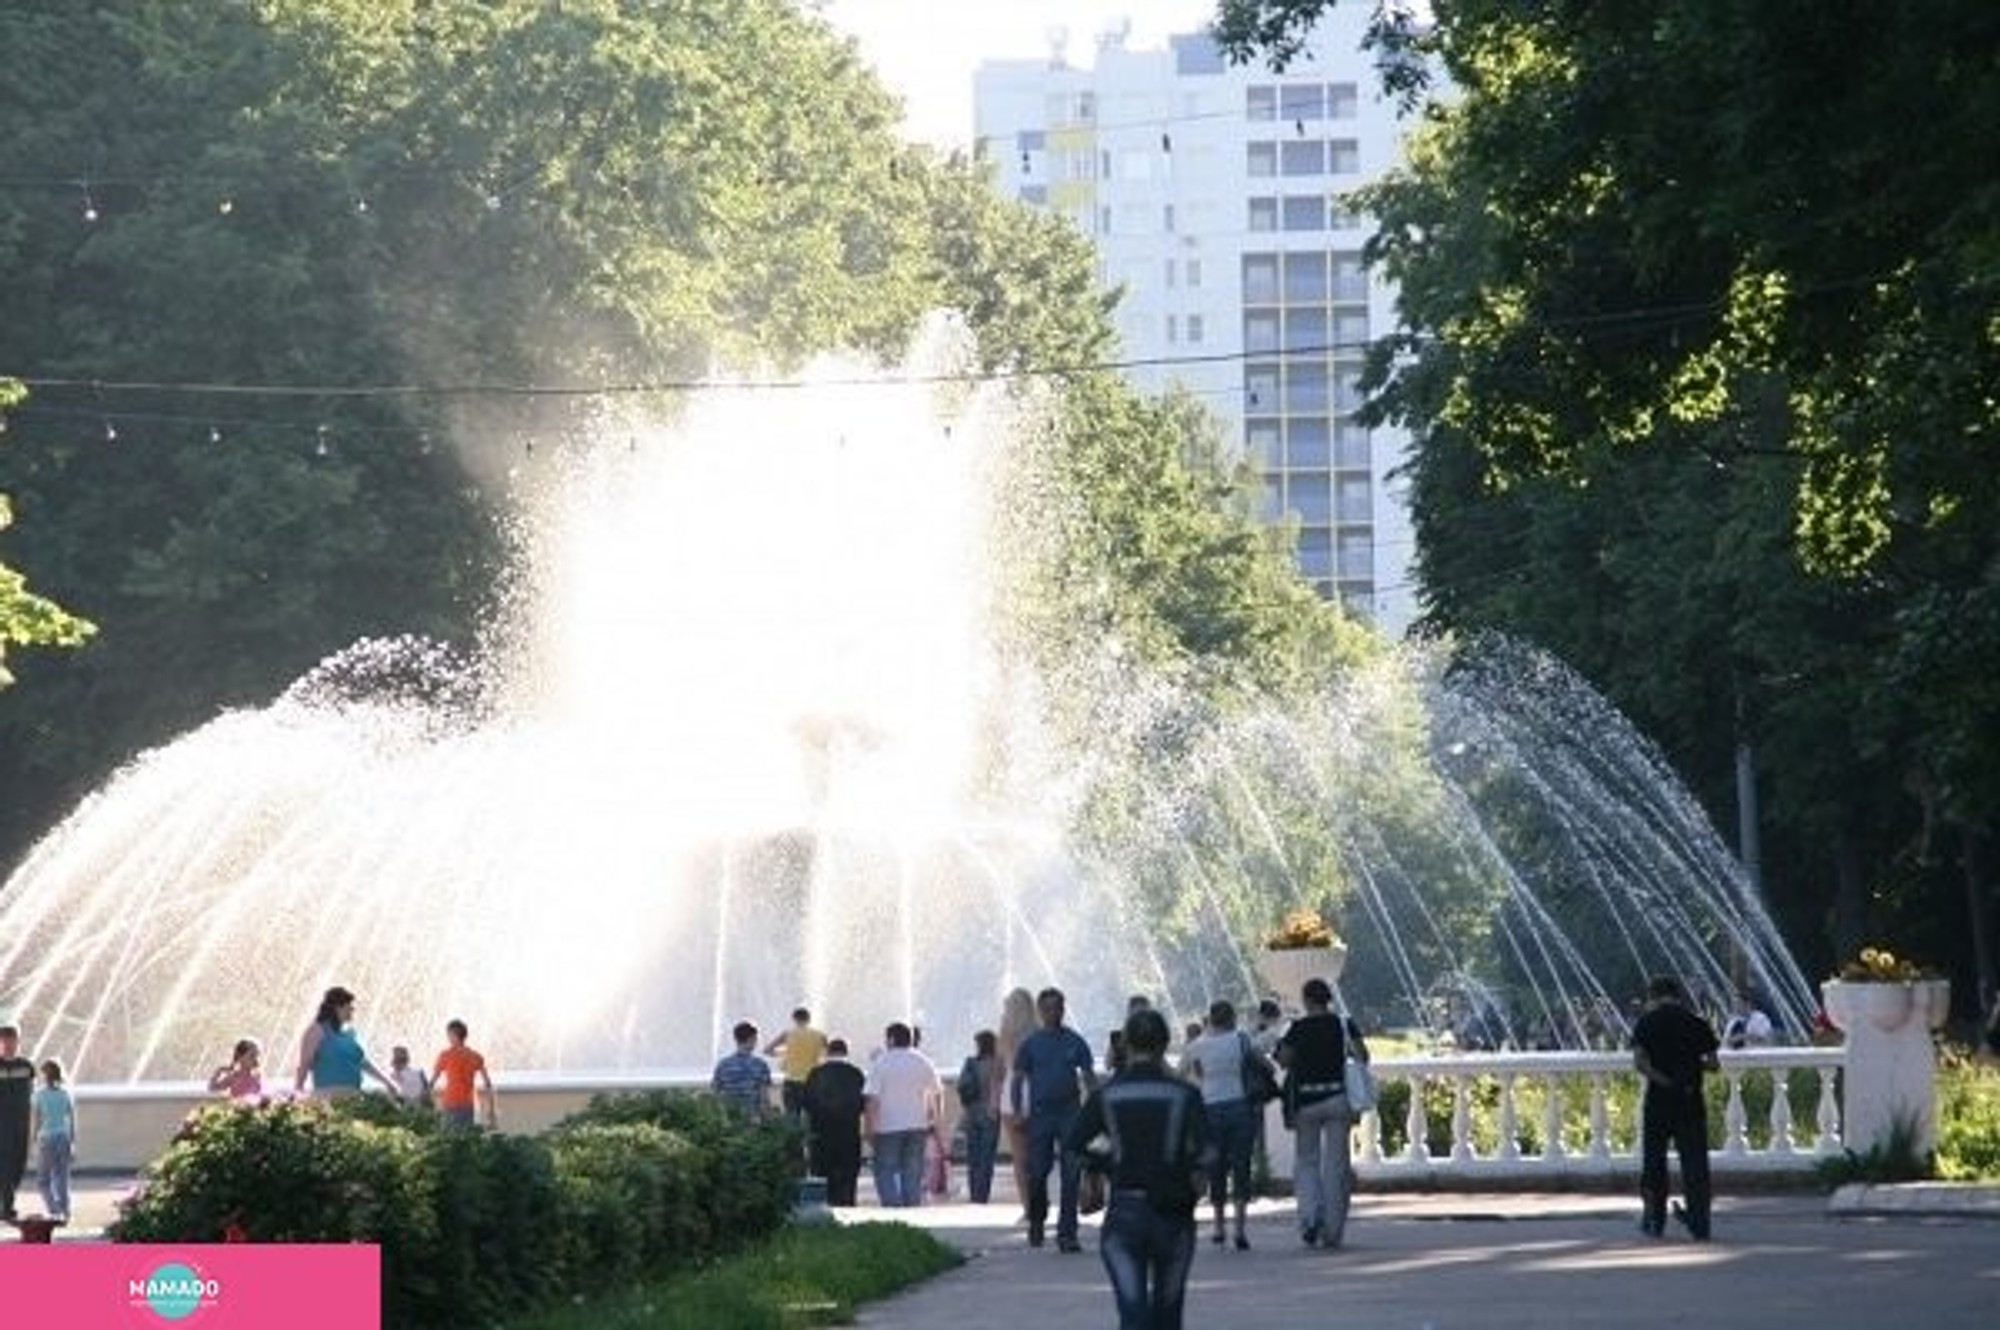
[{"x": 1214, "y": 196}]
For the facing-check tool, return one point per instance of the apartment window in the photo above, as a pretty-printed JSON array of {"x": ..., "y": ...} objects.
[
  {"x": 1306, "y": 386},
  {"x": 1350, "y": 281},
  {"x": 1263, "y": 214},
  {"x": 1350, "y": 444},
  {"x": 1340, "y": 217},
  {"x": 1271, "y": 500},
  {"x": 1351, "y": 499},
  {"x": 1307, "y": 443},
  {"x": 1305, "y": 277},
  {"x": 1260, "y": 160},
  {"x": 1196, "y": 329},
  {"x": 1347, "y": 389},
  {"x": 1173, "y": 329},
  {"x": 1104, "y": 220},
  {"x": 1302, "y": 101},
  {"x": 1311, "y": 497},
  {"x": 1260, "y": 278},
  {"x": 1307, "y": 213},
  {"x": 1306, "y": 158},
  {"x": 1260, "y": 332},
  {"x": 1104, "y": 164},
  {"x": 1035, "y": 194},
  {"x": 1167, "y": 219},
  {"x": 1193, "y": 274},
  {"x": 1305, "y": 329},
  {"x": 1343, "y": 157},
  {"x": 1350, "y": 330},
  {"x": 1343, "y": 101},
  {"x": 1262, "y": 437},
  {"x": 1260, "y": 388},
  {"x": 1170, "y": 272},
  {"x": 1260, "y": 102},
  {"x": 1357, "y": 557},
  {"x": 1315, "y": 553},
  {"x": 1084, "y": 107}
]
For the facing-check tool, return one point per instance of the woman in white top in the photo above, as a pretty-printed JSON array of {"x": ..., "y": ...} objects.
[{"x": 1216, "y": 1062}]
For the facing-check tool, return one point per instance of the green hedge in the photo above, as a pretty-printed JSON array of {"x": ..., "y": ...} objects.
[{"x": 474, "y": 1226}]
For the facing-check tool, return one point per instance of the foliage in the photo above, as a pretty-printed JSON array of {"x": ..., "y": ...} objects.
[
  {"x": 805, "y": 1277},
  {"x": 25, "y": 618},
  {"x": 475, "y": 1226},
  {"x": 1968, "y": 1137},
  {"x": 1706, "y": 416},
  {"x": 1894, "y": 1158},
  {"x": 481, "y": 197},
  {"x": 1302, "y": 929},
  {"x": 1877, "y": 965}
]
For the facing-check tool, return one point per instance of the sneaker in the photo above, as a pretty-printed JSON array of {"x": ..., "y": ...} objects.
[
  {"x": 1652, "y": 1228},
  {"x": 1068, "y": 1246},
  {"x": 1310, "y": 1234},
  {"x": 1034, "y": 1234},
  {"x": 1681, "y": 1217},
  {"x": 1242, "y": 1241}
]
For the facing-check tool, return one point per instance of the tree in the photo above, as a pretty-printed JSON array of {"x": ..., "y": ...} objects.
[
  {"x": 1704, "y": 234},
  {"x": 27, "y": 619}
]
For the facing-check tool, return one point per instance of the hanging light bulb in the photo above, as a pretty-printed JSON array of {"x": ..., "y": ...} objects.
[
  {"x": 320, "y": 448},
  {"x": 89, "y": 205},
  {"x": 214, "y": 434},
  {"x": 110, "y": 431},
  {"x": 226, "y": 206}
]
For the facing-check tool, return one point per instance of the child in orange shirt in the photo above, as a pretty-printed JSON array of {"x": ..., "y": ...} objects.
[{"x": 453, "y": 1076}]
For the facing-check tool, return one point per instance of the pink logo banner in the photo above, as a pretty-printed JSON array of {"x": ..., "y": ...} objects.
[{"x": 114, "y": 1286}]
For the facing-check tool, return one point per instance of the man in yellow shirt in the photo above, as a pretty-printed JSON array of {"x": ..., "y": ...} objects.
[{"x": 798, "y": 1051}]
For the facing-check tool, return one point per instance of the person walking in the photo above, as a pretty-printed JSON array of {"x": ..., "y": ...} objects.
[
  {"x": 1216, "y": 1063},
  {"x": 798, "y": 1050},
  {"x": 741, "y": 1079},
  {"x": 1672, "y": 1047},
  {"x": 55, "y": 1140},
  {"x": 1313, "y": 1051},
  {"x": 902, "y": 1097},
  {"x": 835, "y": 1104},
  {"x": 1157, "y": 1131},
  {"x": 331, "y": 1053},
  {"x": 412, "y": 1086},
  {"x": 1052, "y": 1072},
  {"x": 17, "y": 1091},
  {"x": 459, "y": 1080},
  {"x": 1017, "y": 1022},
  {"x": 979, "y": 1096}
]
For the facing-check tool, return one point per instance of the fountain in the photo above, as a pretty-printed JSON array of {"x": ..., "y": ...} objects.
[{"x": 748, "y": 736}]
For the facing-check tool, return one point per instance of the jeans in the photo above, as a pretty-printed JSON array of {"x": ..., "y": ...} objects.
[
  {"x": 1047, "y": 1125},
  {"x": 1682, "y": 1118},
  {"x": 1232, "y": 1126},
  {"x": 1147, "y": 1255},
  {"x": 1322, "y": 1178},
  {"x": 52, "y": 1174},
  {"x": 899, "y": 1167},
  {"x": 982, "y": 1147}
]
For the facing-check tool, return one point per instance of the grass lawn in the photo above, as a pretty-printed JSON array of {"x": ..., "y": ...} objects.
[{"x": 806, "y": 1276}]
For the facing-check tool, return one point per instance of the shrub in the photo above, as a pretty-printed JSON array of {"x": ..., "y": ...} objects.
[{"x": 1968, "y": 1121}]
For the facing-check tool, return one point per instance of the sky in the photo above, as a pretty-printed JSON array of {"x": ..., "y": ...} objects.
[{"x": 926, "y": 50}]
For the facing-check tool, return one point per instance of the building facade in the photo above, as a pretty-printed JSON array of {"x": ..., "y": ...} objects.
[{"x": 1214, "y": 196}]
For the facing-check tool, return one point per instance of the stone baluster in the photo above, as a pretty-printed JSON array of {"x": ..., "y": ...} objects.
[
  {"x": 1781, "y": 1113},
  {"x": 1461, "y": 1118},
  {"x": 1510, "y": 1135},
  {"x": 1734, "y": 1141},
  {"x": 1553, "y": 1149}
]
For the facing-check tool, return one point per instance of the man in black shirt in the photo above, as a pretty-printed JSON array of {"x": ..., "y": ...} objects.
[
  {"x": 1158, "y": 1134},
  {"x": 1672, "y": 1047},
  {"x": 832, "y": 1098},
  {"x": 17, "y": 1089}
]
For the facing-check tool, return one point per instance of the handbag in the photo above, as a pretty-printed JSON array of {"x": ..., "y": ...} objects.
[
  {"x": 1357, "y": 1079},
  {"x": 1359, "y": 1083},
  {"x": 1092, "y": 1189},
  {"x": 1260, "y": 1078}
]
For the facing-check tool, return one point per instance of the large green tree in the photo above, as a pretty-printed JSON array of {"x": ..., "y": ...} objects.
[
  {"x": 1701, "y": 309},
  {"x": 281, "y": 272},
  {"x": 27, "y": 619}
]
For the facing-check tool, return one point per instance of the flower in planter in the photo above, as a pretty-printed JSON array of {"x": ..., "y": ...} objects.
[
  {"x": 1303, "y": 930},
  {"x": 1877, "y": 965}
]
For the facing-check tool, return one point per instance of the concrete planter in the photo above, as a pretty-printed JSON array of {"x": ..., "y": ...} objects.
[
  {"x": 1887, "y": 1007},
  {"x": 1285, "y": 972}
]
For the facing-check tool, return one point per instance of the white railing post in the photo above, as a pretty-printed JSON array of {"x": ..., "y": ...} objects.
[
  {"x": 1510, "y": 1135},
  {"x": 1733, "y": 1140}
]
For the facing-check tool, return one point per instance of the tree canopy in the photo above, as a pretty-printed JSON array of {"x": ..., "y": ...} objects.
[
  {"x": 296, "y": 283},
  {"x": 1701, "y": 347}
]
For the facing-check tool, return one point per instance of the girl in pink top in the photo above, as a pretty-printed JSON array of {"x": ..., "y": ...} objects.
[{"x": 241, "y": 1079}]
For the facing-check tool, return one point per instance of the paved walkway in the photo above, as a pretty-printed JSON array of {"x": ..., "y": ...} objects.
[{"x": 1925, "y": 1255}]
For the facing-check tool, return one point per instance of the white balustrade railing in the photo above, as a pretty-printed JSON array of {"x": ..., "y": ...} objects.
[{"x": 1514, "y": 1115}]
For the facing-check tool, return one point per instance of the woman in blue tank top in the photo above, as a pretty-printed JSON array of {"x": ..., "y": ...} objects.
[{"x": 330, "y": 1051}]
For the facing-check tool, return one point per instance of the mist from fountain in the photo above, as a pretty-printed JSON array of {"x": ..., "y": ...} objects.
[{"x": 750, "y": 734}]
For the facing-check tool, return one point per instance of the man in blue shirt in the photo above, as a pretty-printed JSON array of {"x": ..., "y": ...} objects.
[
  {"x": 1051, "y": 1074},
  {"x": 742, "y": 1079}
]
